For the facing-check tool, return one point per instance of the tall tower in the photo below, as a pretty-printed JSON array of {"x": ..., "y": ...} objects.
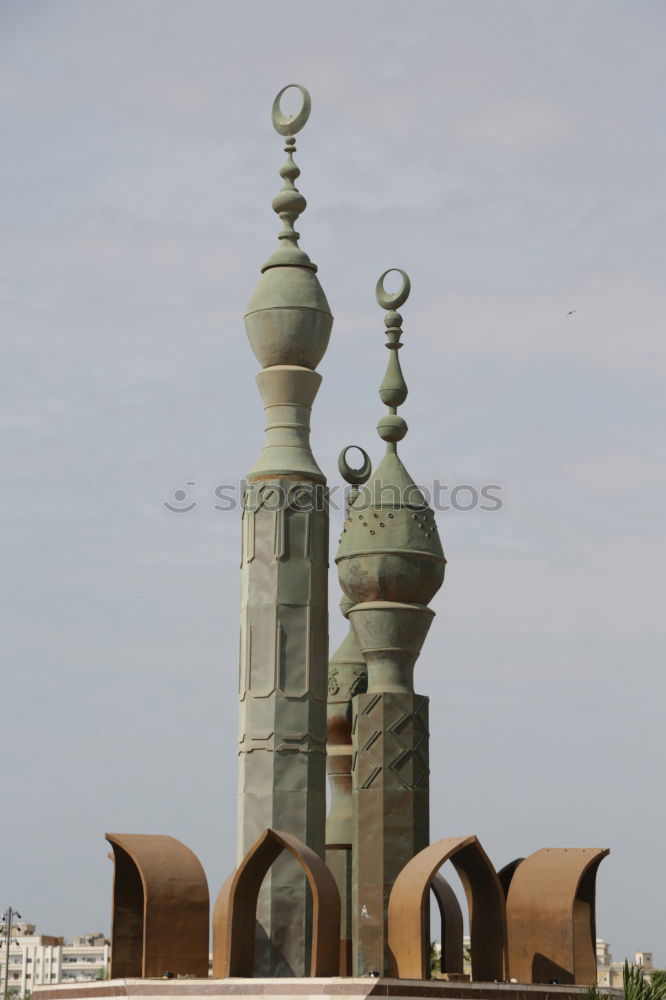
[
  {"x": 284, "y": 599},
  {"x": 390, "y": 564}
]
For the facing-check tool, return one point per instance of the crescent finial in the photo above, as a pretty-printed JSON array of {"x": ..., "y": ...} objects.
[
  {"x": 388, "y": 300},
  {"x": 291, "y": 124},
  {"x": 289, "y": 203},
  {"x": 355, "y": 477}
]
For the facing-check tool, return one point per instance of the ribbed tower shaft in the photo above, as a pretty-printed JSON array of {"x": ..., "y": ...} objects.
[{"x": 284, "y": 592}]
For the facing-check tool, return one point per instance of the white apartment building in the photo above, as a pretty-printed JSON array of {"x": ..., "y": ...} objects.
[
  {"x": 36, "y": 959},
  {"x": 87, "y": 957},
  {"x": 610, "y": 973}
]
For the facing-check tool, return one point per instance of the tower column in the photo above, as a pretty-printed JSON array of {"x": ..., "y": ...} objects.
[
  {"x": 284, "y": 591},
  {"x": 390, "y": 565},
  {"x": 347, "y": 676}
]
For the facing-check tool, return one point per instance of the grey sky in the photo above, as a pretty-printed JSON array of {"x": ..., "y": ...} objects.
[{"x": 510, "y": 156}]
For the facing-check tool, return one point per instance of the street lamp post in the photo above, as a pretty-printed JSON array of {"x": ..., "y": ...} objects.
[{"x": 7, "y": 920}]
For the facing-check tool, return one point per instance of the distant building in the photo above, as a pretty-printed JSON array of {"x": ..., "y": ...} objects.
[
  {"x": 609, "y": 973},
  {"x": 38, "y": 959},
  {"x": 86, "y": 958}
]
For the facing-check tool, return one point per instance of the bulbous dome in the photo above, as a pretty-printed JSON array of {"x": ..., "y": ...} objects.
[
  {"x": 288, "y": 320},
  {"x": 390, "y": 548}
]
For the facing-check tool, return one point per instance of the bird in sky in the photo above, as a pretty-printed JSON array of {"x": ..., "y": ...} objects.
[{"x": 571, "y": 312}]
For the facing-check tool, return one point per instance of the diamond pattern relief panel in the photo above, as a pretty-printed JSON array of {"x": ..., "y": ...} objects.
[{"x": 390, "y": 740}]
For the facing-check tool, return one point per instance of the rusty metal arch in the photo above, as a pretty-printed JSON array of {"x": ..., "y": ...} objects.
[
  {"x": 485, "y": 900},
  {"x": 551, "y": 916},
  {"x": 234, "y": 914},
  {"x": 160, "y": 908},
  {"x": 506, "y": 874},
  {"x": 452, "y": 924}
]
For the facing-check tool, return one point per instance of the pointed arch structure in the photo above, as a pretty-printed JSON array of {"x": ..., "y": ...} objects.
[
  {"x": 452, "y": 924},
  {"x": 234, "y": 915},
  {"x": 160, "y": 908},
  {"x": 485, "y": 900},
  {"x": 506, "y": 874},
  {"x": 551, "y": 916}
]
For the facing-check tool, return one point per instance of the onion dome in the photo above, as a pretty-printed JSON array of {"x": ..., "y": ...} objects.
[
  {"x": 288, "y": 320},
  {"x": 347, "y": 672},
  {"x": 288, "y": 324}
]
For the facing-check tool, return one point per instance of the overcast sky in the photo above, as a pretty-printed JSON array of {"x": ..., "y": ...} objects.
[{"x": 510, "y": 156}]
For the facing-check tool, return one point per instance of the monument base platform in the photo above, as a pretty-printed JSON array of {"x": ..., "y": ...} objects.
[{"x": 305, "y": 989}]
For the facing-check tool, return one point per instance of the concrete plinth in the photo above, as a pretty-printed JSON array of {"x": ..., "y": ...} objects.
[{"x": 303, "y": 989}]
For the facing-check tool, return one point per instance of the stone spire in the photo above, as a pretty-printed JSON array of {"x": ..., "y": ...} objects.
[
  {"x": 390, "y": 565},
  {"x": 284, "y": 592}
]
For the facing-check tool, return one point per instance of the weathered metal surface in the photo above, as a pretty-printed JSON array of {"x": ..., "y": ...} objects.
[
  {"x": 284, "y": 584},
  {"x": 452, "y": 956},
  {"x": 505, "y": 875},
  {"x": 160, "y": 908},
  {"x": 390, "y": 565},
  {"x": 390, "y": 548},
  {"x": 551, "y": 916},
  {"x": 391, "y": 811},
  {"x": 236, "y": 906},
  {"x": 347, "y": 676},
  {"x": 407, "y": 910}
]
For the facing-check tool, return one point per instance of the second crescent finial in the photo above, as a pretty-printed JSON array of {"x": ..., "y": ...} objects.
[
  {"x": 393, "y": 300},
  {"x": 393, "y": 390},
  {"x": 355, "y": 477}
]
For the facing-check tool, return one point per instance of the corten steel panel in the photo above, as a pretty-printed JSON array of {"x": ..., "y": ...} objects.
[
  {"x": 407, "y": 910},
  {"x": 160, "y": 908},
  {"x": 234, "y": 914},
  {"x": 339, "y": 863},
  {"x": 390, "y": 811},
  {"x": 505, "y": 875},
  {"x": 551, "y": 916},
  {"x": 452, "y": 925}
]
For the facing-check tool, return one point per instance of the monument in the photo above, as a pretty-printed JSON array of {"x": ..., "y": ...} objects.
[{"x": 347, "y": 896}]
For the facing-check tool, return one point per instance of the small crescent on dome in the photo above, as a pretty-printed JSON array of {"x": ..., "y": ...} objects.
[
  {"x": 355, "y": 477},
  {"x": 291, "y": 124},
  {"x": 393, "y": 300}
]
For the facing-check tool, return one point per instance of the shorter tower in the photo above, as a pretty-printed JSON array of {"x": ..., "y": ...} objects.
[
  {"x": 390, "y": 564},
  {"x": 347, "y": 676}
]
